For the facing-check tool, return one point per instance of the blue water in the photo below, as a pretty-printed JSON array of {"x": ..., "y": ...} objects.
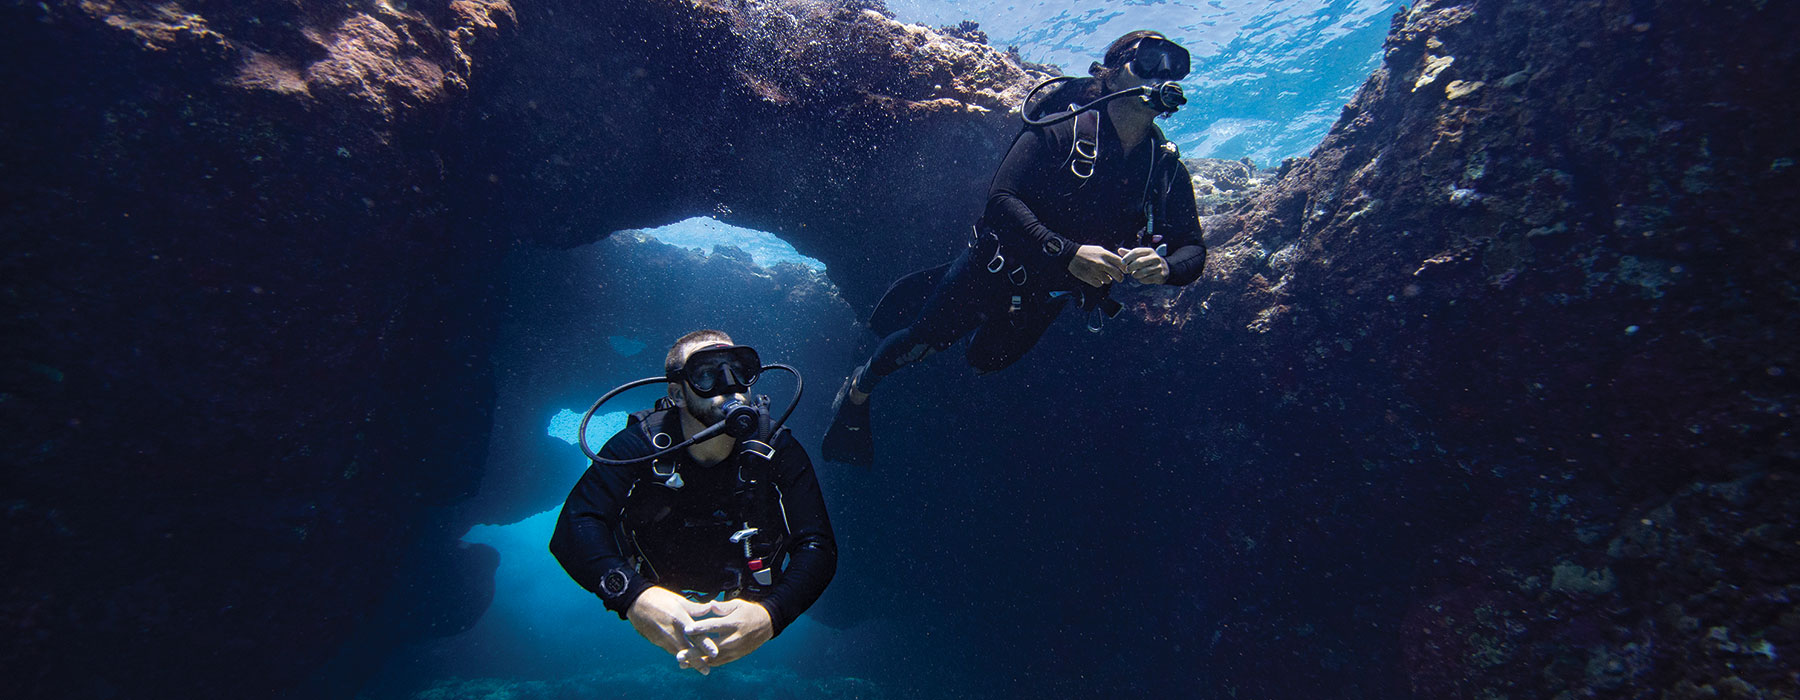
[
  {"x": 1268, "y": 77},
  {"x": 1269, "y": 80}
]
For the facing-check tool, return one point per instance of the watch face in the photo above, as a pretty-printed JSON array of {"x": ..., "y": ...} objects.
[
  {"x": 613, "y": 584},
  {"x": 1053, "y": 246}
]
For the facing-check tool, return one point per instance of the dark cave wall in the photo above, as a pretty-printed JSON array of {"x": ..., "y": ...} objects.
[{"x": 229, "y": 313}]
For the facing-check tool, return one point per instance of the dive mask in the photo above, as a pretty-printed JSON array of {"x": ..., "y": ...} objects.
[
  {"x": 1156, "y": 58},
  {"x": 721, "y": 369}
]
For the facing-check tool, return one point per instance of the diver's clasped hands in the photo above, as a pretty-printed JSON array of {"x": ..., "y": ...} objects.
[
  {"x": 1097, "y": 267},
  {"x": 663, "y": 616},
  {"x": 739, "y": 626},
  {"x": 1144, "y": 265},
  {"x": 700, "y": 635}
]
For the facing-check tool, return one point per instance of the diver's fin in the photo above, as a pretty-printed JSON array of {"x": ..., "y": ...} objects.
[
  {"x": 901, "y": 305},
  {"x": 848, "y": 439}
]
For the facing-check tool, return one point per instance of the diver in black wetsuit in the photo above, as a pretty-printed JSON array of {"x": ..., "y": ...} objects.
[
  {"x": 1090, "y": 194},
  {"x": 661, "y": 523}
]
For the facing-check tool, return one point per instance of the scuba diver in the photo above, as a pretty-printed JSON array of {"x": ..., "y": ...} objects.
[
  {"x": 1089, "y": 195},
  {"x": 710, "y": 544}
]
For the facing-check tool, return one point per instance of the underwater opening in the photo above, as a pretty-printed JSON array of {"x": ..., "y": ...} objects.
[
  {"x": 705, "y": 233},
  {"x": 580, "y": 322}
]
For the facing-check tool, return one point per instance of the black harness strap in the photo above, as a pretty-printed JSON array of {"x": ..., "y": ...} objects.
[{"x": 754, "y": 507}]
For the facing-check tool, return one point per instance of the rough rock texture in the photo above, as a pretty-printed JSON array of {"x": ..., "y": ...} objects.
[
  {"x": 1226, "y": 185},
  {"x": 244, "y": 355},
  {"x": 828, "y": 124},
  {"x": 1536, "y": 281}
]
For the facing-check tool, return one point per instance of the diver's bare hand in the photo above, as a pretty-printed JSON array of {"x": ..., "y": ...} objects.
[
  {"x": 1096, "y": 266},
  {"x": 698, "y": 658},
  {"x": 741, "y": 627},
  {"x": 1144, "y": 265},
  {"x": 661, "y": 615}
]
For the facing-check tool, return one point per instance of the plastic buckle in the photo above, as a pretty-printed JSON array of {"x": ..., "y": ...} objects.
[
  {"x": 758, "y": 448},
  {"x": 754, "y": 448},
  {"x": 1110, "y": 307},
  {"x": 671, "y": 479}
]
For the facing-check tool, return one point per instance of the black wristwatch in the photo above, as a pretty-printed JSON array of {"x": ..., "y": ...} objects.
[{"x": 614, "y": 583}]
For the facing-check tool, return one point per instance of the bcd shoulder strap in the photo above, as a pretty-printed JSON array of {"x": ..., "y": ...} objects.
[{"x": 1084, "y": 147}]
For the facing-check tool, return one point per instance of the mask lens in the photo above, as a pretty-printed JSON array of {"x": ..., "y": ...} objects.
[
  {"x": 716, "y": 371},
  {"x": 1160, "y": 59}
]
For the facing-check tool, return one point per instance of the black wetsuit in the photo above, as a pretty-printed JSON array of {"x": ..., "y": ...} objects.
[
  {"x": 689, "y": 548},
  {"x": 1038, "y": 214}
]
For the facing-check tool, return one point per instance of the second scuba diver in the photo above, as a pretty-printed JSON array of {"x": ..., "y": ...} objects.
[
  {"x": 1090, "y": 194},
  {"x": 702, "y": 521}
]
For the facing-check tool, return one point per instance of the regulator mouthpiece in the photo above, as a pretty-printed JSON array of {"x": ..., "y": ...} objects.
[
  {"x": 741, "y": 419},
  {"x": 1165, "y": 97}
]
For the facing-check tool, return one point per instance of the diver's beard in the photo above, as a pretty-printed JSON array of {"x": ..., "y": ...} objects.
[
  {"x": 708, "y": 411},
  {"x": 704, "y": 411}
]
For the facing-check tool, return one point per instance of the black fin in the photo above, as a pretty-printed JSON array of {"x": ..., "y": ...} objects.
[{"x": 848, "y": 440}]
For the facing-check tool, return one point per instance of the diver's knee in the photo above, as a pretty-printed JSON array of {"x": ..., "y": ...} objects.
[
  {"x": 988, "y": 364},
  {"x": 915, "y": 353}
]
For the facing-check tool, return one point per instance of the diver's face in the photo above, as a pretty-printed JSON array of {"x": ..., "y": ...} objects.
[
  {"x": 707, "y": 410},
  {"x": 1126, "y": 78}
]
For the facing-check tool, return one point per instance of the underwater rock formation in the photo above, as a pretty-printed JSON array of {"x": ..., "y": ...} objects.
[
  {"x": 1225, "y": 185},
  {"x": 1537, "y": 279},
  {"x": 828, "y": 124},
  {"x": 1490, "y": 395},
  {"x": 245, "y": 348},
  {"x": 250, "y": 292}
]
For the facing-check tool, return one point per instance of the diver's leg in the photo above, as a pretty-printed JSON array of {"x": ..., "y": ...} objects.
[
  {"x": 962, "y": 298},
  {"x": 1005, "y": 338},
  {"x": 956, "y": 306}
]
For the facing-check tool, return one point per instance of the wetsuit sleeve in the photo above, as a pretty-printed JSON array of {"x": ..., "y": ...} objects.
[
  {"x": 1034, "y": 156},
  {"x": 583, "y": 541},
  {"x": 1187, "y": 249},
  {"x": 812, "y": 549}
]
